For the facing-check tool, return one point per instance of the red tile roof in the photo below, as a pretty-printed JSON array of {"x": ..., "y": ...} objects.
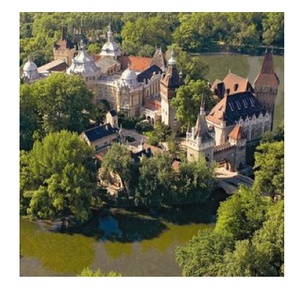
[
  {"x": 267, "y": 75},
  {"x": 236, "y": 132},
  {"x": 137, "y": 63}
]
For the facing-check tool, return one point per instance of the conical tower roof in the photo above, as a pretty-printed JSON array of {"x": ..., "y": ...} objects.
[
  {"x": 267, "y": 75},
  {"x": 201, "y": 128}
]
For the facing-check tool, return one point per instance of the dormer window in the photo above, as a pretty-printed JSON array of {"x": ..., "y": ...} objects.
[
  {"x": 252, "y": 102},
  {"x": 236, "y": 87},
  {"x": 245, "y": 103}
]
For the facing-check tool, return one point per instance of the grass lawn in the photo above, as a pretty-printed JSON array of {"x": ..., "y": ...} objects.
[{"x": 246, "y": 66}]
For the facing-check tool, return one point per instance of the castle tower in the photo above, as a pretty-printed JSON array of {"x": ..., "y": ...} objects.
[
  {"x": 266, "y": 84},
  {"x": 83, "y": 64},
  {"x": 237, "y": 138},
  {"x": 199, "y": 140},
  {"x": 64, "y": 49},
  {"x": 110, "y": 48},
  {"x": 169, "y": 82}
]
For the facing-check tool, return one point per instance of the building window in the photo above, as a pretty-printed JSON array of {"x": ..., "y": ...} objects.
[
  {"x": 252, "y": 102},
  {"x": 245, "y": 103}
]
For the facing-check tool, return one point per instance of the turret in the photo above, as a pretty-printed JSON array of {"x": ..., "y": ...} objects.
[{"x": 266, "y": 84}]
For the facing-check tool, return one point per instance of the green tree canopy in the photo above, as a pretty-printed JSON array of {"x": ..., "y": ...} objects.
[
  {"x": 273, "y": 29},
  {"x": 55, "y": 103},
  {"x": 118, "y": 161},
  {"x": 204, "y": 253},
  {"x": 269, "y": 169},
  {"x": 155, "y": 180},
  {"x": 60, "y": 175},
  {"x": 194, "y": 182},
  {"x": 188, "y": 99},
  {"x": 242, "y": 214}
]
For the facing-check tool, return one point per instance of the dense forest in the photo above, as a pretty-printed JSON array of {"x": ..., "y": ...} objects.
[{"x": 139, "y": 33}]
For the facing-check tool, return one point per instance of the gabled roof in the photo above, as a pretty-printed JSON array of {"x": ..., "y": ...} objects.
[
  {"x": 148, "y": 73},
  {"x": 158, "y": 59},
  {"x": 137, "y": 63},
  {"x": 231, "y": 84},
  {"x": 267, "y": 75},
  {"x": 235, "y": 106},
  {"x": 100, "y": 132}
]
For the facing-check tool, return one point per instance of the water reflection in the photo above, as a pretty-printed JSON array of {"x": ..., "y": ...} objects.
[{"x": 127, "y": 241}]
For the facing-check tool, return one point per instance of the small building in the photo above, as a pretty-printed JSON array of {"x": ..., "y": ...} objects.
[{"x": 101, "y": 136}]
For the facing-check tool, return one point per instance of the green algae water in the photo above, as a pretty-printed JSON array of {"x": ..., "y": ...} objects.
[{"x": 126, "y": 242}]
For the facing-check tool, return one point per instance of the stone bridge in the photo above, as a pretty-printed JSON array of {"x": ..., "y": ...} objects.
[{"x": 230, "y": 181}]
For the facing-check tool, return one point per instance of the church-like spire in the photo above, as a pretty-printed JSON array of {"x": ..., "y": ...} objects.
[
  {"x": 110, "y": 36},
  {"x": 172, "y": 60},
  {"x": 82, "y": 45},
  {"x": 201, "y": 129}
]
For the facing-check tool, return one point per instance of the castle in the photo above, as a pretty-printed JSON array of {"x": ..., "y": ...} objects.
[{"x": 139, "y": 86}]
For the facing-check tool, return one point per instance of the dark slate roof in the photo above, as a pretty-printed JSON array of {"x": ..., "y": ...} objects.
[
  {"x": 148, "y": 73},
  {"x": 113, "y": 113},
  {"x": 100, "y": 132},
  {"x": 235, "y": 106}
]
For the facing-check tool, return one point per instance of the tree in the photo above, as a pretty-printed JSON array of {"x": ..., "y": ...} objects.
[
  {"x": 147, "y": 30},
  {"x": 245, "y": 260},
  {"x": 242, "y": 214},
  {"x": 156, "y": 180},
  {"x": 55, "y": 103},
  {"x": 269, "y": 240},
  {"x": 192, "y": 67},
  {"x": 263, "y": 254},
  {"x": 87, "y": 272},
  {"x": 118, "y": 161},
  {"x": 273, "y": 28},
  {"x": 203, "y": 254},
  {"x": 194, "y": 182},
  {"x": 61, "y": 175},
  {"x": 100, "y": 111},
  {"x": 188, "y": 99},
  {"x": 94, "y": 48},
  {"x": 30, "y": 121},
  {"x": 160, "y": 133},
  {"x": 269, "y": 169}
]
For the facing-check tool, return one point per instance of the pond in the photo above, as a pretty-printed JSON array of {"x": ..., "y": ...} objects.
[{"x": 130, "y": 242}]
